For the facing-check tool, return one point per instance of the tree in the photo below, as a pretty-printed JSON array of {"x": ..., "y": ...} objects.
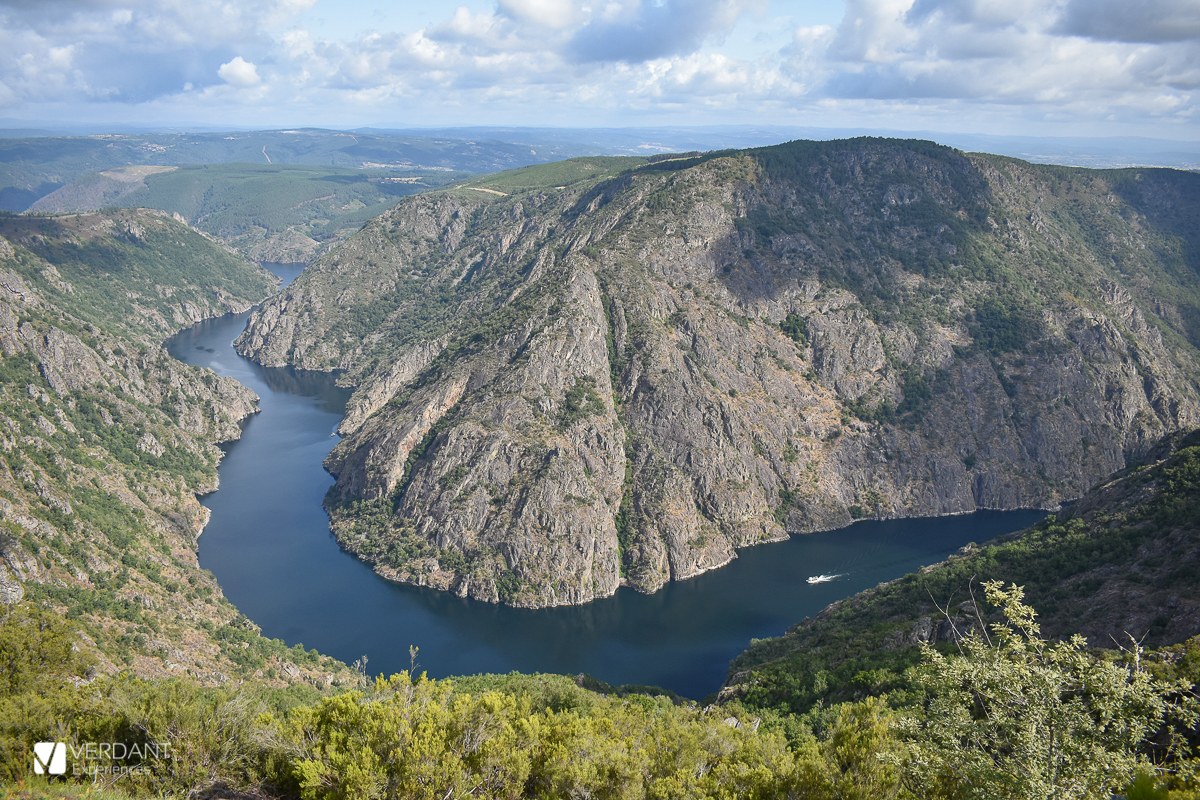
[
  {"x": 1016, "y": 716},
  {"x": 38, "y": 699},
  {"x": 37, "y": 651}
]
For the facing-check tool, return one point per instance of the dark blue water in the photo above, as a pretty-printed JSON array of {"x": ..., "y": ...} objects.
[{"x": 270, "y": 547}]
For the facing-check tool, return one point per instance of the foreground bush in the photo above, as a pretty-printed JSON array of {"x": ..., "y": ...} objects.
[
  {"x": 417, "y": 739},
  {"x": 1013, "y": 716},
  {"x": 1016, "y": 716}
]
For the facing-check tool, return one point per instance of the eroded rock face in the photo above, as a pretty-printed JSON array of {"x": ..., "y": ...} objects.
[
  {"x": 106, "y": 439},
  {"x": 624, "y": 381}
]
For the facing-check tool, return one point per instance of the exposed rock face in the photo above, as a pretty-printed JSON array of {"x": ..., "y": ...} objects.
[
  {"x": 564, "y": 389},
  {"x": 105, "y": 440},
  {"x": 926, "y": 630}
]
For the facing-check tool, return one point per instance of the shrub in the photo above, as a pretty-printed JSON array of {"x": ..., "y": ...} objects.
[{"x": 1019, "y": 717}]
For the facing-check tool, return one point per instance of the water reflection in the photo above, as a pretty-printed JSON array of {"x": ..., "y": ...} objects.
[
  {"x": 207, "y": 344},
  {"x": 304, "y": 383}
]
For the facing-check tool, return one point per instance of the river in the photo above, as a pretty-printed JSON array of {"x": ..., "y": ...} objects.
[{"x": 269, "y": 545}]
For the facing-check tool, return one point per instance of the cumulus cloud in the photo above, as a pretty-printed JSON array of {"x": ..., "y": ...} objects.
[
  {"x": 239, "y": 72},
  {"x": 131, "y": 50},
  {"x": 555, "y": 14},
  {"x": 527, "y": 59},
  {"x": 150, "y": 24},
  {"x": 1152, "y": 21},
  {"x": 640, "y": 31},
  {"x": 1021, "y": 53}
]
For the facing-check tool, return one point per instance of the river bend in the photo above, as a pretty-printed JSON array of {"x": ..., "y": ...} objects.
[{"x": 269, "y": 545}]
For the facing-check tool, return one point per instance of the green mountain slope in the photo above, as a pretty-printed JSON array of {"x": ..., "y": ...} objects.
[
  {"x": 136, "y": 273},
  {"x": 33, "y": 167},
  {"x": 601, "y": 372},
  {"x": 267, "y": 212},
  {"x": 105, "y": 440},
  {"x": 1123, "y": 561}
]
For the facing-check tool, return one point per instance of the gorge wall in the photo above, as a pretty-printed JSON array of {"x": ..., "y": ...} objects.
[
  {"x": 106, "y": 440},
  {"x": 617, "y": 371}
]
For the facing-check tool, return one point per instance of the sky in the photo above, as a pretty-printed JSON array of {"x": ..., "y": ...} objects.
[{"x": 1029, "y": 67}]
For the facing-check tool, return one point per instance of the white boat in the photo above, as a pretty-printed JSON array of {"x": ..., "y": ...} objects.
[{"x": 822, "y": 578}]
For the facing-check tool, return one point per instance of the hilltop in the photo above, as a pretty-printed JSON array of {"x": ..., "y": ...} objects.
[{"x": 619, "y": 371}]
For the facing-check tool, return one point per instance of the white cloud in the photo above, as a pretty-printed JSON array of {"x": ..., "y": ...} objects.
[
  {"x": 1153, "y": 21},
  {"x": 239, "y": 72},
  {"x": 643, "y": 31},
  {"x": 131, "y": 50},
  {"x": 1017, "y": 54},
  {"x": 599, "y": 61},
  {"x": 556, "y": 14}
]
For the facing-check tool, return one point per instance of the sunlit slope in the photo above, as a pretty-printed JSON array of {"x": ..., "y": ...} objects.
[
  {"x": 577, "y": 376},
  {"x": 105, "y": 440}
]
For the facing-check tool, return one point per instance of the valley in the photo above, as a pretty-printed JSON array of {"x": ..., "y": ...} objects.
[
  {"x": 268, "y": 544},
  {"x": 528, "y": 400},
  {"x": 108, "y": 440},
  {"x": 619, "y": 371},
  {"x": 284, "y": 213},
  {"x": 578, "y": 391}
]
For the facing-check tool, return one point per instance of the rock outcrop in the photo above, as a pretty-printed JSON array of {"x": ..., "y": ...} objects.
[
  {"x": 105, "y": 440},
  {"x": 623, "y": 380}
]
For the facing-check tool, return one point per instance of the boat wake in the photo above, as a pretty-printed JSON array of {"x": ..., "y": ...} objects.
[{"x": 825, "y": 578}]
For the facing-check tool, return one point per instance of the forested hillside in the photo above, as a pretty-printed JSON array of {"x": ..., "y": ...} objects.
[
  {"x": 33, "y": 167},
  {"x": 267, "y": 212}
]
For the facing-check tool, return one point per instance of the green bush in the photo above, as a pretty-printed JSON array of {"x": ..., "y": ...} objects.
[
  {"x": 795, "y": 328},
  {"x": 1003, "y": 326},
  {"x": 1017, "y": 716}
]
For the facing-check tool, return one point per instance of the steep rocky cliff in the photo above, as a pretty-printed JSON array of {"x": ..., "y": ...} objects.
[
  {"x": 105, "y": 440},
  {"x": 621, "y": 371}
]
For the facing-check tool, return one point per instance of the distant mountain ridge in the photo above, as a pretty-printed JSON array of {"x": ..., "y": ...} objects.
[
  {"x": 96, "y": 191},
  {"x": 268, "y": 212},
  {"x": 33, "y": 166},
  {"x": 617, "y": 371}
]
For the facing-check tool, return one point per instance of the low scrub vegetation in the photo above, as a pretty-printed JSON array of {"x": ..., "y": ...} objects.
[{"x": 1006, "y": 715}]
